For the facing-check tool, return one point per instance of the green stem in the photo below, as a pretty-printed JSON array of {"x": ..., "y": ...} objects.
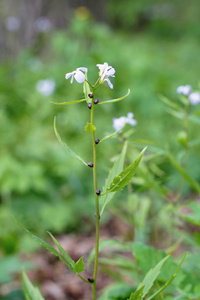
[{"x": 97, "y": 206}]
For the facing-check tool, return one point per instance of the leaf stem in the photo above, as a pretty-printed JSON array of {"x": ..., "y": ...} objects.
[{"x": 96, "y": 205}]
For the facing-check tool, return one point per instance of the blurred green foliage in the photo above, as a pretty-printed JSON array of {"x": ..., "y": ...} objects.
[{"x": 40, "y": 184}]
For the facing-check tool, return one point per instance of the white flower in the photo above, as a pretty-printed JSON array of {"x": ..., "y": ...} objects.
[
  {"x": 194, "y": 98},
  {"x": 106, "y": 71},
  {"x": 43, "y": 24},
  {"x": 12, "y": 23},
  {"x": 46, "y": 87},
  {"x": 77, "y": 74},
  {"x": 184, "y": 89},
  {"x": 118, "y": 123}
]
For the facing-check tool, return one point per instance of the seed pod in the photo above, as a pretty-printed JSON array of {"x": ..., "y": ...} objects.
[
  {"x": 97, "y": 141},
  {"x": 98, "y": 192},
  {"x": 90, "y": 95},
  {"x": 90, "y": 164},
  {"x": 90, "y": 279},
  {"x": 89, "y": 105},
  {"x": 96, "y": 101}
]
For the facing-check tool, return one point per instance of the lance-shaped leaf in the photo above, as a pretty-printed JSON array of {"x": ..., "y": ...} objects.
[
  {"x": 116, "y": 169},
  {"x": 137, "y": 295},
  {"x": 30, "y": 291},
  {"x": 70, "y": 102},
  {"x": 110, "y": 135},
  {"x": 79, "y": 266},
  {"x": 122, "y": 179},
  {"x": 86, "y": 89},
  {"x": 44, "y": 244},
  {"x": 65, "y": 146},
  {"x": 151, "y": 276},
  {"x": 168, "y": 282},
  {"x": 62, "y": 251},
  {"x": 90, "y": 127},
  {"x": 193, "y": 183},
  {"x": 170, "y": 103},
  {"x": 115, "y": 100}
]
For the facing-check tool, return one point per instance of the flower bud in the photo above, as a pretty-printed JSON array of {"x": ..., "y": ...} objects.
[
  {"x": 90, "y": 164},
  {"x": 98, "y": 192},
  {"x": 90, "y": 279},
  {"x": 96, "y": 101},
  {"x": 89, "y": 105},
  {"x": 97, "y": 141},
  {"x": 90, "y": 95},
  {"x": 182, "y": 138}
]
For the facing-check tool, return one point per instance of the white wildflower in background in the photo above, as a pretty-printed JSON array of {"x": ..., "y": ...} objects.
[
  {"x": 43, "y": 24},
  {"x": 184, "y": 89},
  {"x": 12, "y": 23},
  {"x": 106, "y": 71},
  {"x": 77, "y": 74},
  {"x": 194, "y": 98},
  {"x": 118, "y": 123},
  {"x": 46, "y": 87}
]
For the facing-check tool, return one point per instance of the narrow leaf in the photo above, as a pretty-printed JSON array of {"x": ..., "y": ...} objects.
[
  {"x": 122, "y": 179},
  {"x": 79, "y": 266},
  {"x": 151, "y": 276},
  {"x": 169, "y": 102},
  {"x": 70, "y": 102},
  {"x": 30, "y": 292},
  {"x": 116, "y": 169},
  {"x": 137, "y": 295},
  {"x": 43, "y": 243},
  {"x": 90, "y": 127},
  {"x": 110, "y": 135},
  {"x": 193, "y": 183},
  {"x": 62, "y": 251},
  {"x": 72, "y": 153},
  {"x": 168, "y": 282},
  {"x": 115, "y": 100}
]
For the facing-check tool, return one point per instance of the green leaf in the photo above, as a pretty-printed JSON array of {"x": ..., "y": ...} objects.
[
  {"x": 86, "y": 89},
  {"x": 62, "y": 251},
  {"x": 30, "y": 292},
  {"x": 169, "y": 102},
  {"x": 151, "y": 276},
  {"x": 70, "y": 102},
  {"x": 122, "y": 179},
  {"x": 79, "y": 266},
  {"x": 194, "y": 217},
  {"x": 110, "y": 135},
  {"x": 168, "y": 282},
  {"x": 90, "y": 127},
  {"x": 115, "y": 100},
  {"x": 177, "y": 114},
  {"x": 44, "y": 244},
  {"x": 193, "y": 183},
  {"x": 137, "y": 295},
  {"x": 117, "y": 167},
  {"x": 72, "y": 153}
]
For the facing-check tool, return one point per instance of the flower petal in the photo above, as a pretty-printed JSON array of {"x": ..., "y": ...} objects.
[
  {"x": 79, "y": 76},
  {"x": 68, "y": 75},
  {"x": 109, "y": 83},
  {"x": 82, "y": 69}
]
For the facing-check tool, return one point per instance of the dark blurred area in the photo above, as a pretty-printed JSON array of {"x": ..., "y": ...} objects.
[{"x": 154, "y": 47}]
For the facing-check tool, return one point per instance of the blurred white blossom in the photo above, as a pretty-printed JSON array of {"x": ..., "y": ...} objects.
[
  {"x": 12, "y": 23},
  {"x": 43, "y": 24},
  {"x": 118, "y": 123},
  {"x": 194, "y": 98},
  {"x": 77, "y": 74},
  {"x": 46, "y": 87},
  {"x": 106, "y": 71},
  {"x": 184, "y": 89}
]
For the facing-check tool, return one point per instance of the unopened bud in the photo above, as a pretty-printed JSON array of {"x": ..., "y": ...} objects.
[
  {"x": 96, "y": 101},
  {"x": 89, "y": 105},
  {"x": 98, "y": 192},
  {"x": 90, "y": 95},
  {"x": 97, "y": 141},
  {"x": 90, "y": 164},
  {"x": 90, "y": 279}
]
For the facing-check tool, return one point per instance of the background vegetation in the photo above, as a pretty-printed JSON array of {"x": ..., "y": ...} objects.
[{"x": 154, "y": 48}]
